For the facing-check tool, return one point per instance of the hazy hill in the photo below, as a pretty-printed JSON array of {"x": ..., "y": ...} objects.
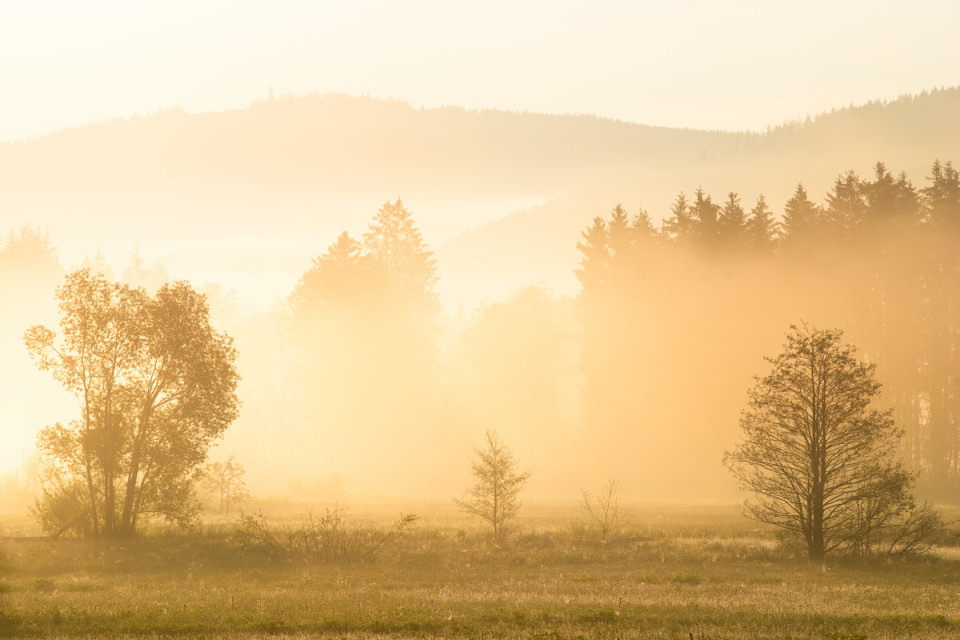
[
  {"x": 537, "y": 244},
  {"x": 327, "y": 148},
  {"x": 248, "y": 196}
]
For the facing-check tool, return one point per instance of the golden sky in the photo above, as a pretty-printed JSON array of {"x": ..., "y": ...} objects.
[{"x": 702, "y": 64}]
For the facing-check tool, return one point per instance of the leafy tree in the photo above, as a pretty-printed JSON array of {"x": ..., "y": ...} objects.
[
  {"x": 497, "y": 485},
  {"x": 155, "y": 384},
  {"x": 818, "y": 459}
]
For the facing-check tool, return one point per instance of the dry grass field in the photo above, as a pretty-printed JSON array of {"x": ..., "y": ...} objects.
[{"x": 698, "y": 571}]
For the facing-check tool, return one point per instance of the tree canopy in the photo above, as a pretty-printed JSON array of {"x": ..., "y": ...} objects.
[
  {"x": 495, "y": 494},
  {"x": 156, "y": 386},
  {"x": 819, "y": 459}
]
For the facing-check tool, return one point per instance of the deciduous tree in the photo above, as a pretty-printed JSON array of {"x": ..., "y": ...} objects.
[
  {"x": 495, "y": 495},
  {"x": 223, "y": 483},
  {"x": 817, "y": 455},
  {"x": 155, "y": 383}
]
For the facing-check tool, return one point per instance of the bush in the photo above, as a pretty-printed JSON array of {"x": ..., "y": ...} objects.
[
  {"x": 63, "y": 509},
  {"x": 327, "y": 538}
]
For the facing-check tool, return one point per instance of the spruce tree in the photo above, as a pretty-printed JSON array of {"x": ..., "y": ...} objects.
[
  {"x": 801, "y": 219},
  {"x": 761, "y": 227},
  {"x": 679, "y": 226},
  {"x": 705, "y": 216},
  {"x": 846, "y": 205},
  {"x": 395, "y": 244},
  {"x": 642, "y": 226},
  {"x": 592, "y": 274},
  {"x": 732, "y": 221},
  {"x": 941, "y": 199}
]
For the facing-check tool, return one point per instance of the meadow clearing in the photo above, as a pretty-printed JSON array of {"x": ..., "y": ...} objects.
[{"x": 669, "y": 571}]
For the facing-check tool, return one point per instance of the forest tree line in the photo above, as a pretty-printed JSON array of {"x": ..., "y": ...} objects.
[
  {"x": 879, "y": 257},
  {"x": 640, "y": 377}
]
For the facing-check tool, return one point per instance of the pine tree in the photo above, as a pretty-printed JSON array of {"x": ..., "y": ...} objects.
[
  {"x": 593, "y": 274},
  {"x": 97, "y": 265},
  {"x": 732, "y": 221},
  {"x": 396, "y": 246},
  {"x": 942, "y": 198},
  {"x": 29, "y": 266},
  {"x": 619, "y": 231},
  {"x": 680, "y": 225},
  {"x": 801, "y": 219},
  {"x": 138, "y": 274},
  {"x": 341, "y": 276},
  {"x": 705, "y": 216},
  {"x": 620, "y": 242},
  {"x": 846, "y": 205},
  {"x": 761, "y": 228},
  {"x": 367, "y": 343},
  {"x": 890, "y": 199},
  {"x": 643, "y": 227}
]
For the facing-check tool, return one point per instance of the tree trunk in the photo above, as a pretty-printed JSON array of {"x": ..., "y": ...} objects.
[
  {"x": 128, "y": 518},
  {"x": 815, "y": 550}
]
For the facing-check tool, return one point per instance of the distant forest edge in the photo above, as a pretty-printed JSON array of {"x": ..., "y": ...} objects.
[
  {"x": 640, "y": 376},
  {"x": 669, "y": 315}
]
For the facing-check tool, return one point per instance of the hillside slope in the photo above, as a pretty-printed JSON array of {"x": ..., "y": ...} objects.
[
  {"x": 248, "y": 196},
  {"x": 538, "y": 244}
]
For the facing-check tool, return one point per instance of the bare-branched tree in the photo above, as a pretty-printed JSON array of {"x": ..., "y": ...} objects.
[
  {"x": 819, "y": 458},
  {"x": 603, "y": 508},
  {"x": 223, "y": 484}
]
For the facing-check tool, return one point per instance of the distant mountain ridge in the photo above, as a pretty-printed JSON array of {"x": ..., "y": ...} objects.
[
  {"x": 305, "y": 167},
  {"x": 338, "y": 143},
  {"x": 538, "y": 244}
]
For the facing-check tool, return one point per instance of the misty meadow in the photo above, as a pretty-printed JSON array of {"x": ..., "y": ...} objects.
[{"x": 312, "y": 362}]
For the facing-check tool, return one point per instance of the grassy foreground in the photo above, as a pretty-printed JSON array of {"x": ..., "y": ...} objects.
[{"x": 673, "y": 572}]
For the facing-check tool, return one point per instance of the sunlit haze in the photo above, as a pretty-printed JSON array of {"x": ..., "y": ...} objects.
[
  {"x": 701, "y": 64},
  {"x": 518, "y": 320},
  {"x": 339, "y": 243}
]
